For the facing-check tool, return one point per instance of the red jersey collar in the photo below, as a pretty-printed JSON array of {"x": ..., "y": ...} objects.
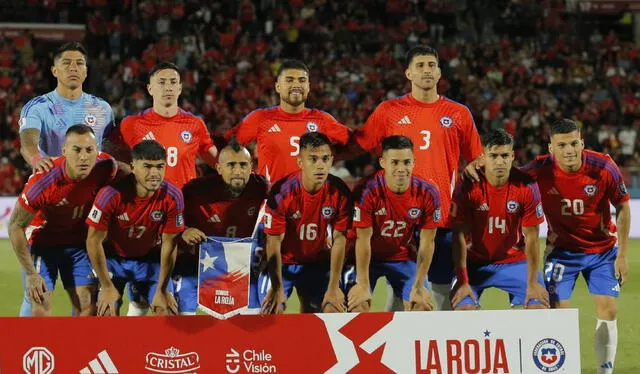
[
  {"x": 413, "y": 101},
  {"x": 302, "y": 114}
]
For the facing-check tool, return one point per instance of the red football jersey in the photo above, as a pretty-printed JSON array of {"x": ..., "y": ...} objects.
[
  {"x": 184, "y": 136},
  {"x": 277, "y": 134},
  {"x": 61, "y": 204},
  {"x": 210, "y": 208},
  {"x": 135, "y": 225},
  {"x": 441, "y": 132},
  {"x": 577, "y": 204},
  {"x": 395, "y": 217},
  {"x": 496, "y": 215},
  {"x": 307, "y": 220}
]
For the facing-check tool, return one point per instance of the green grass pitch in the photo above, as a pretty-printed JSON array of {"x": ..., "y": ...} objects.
[{"x": 628, "y": 325}]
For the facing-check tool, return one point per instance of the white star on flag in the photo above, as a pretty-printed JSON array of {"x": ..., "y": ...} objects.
[{"x": 207, "y": 261}]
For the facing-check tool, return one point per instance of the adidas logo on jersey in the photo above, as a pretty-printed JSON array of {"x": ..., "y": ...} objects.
[
  {"x": 100, "y": 364},
  {"x": 404, "y": 121},
  {"x": 63, "y": 202},
  {"x": 214, "y": 219},
  {"x": 296, "y": 215},
  {"x": 274, "y": 128},
  {"x": 381, "y": 212},
  {"x": 149, "y": 136},
  {"x": 123, "y": 217},
  {"x": 553, "y": 191},
  {"x": 484, "y": 207}
]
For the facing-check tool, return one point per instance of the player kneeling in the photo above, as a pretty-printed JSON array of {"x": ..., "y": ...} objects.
[
  {"x": 141, "y": 216},
  {"x": 306, "y": 218},
  {"x": 390, "y": 207},
  {"x": 495, "y": 213}
]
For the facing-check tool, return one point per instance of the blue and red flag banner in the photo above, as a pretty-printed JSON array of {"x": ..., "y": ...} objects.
[{"x": 224, "y": 276}]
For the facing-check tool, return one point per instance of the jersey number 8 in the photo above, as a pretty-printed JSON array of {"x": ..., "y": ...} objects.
[{"x": 172, "y": 156}]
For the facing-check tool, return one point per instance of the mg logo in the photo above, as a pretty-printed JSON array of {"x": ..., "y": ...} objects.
[
  {"x": 233, "y": 361},
  {"x": 38, "y": 360}
]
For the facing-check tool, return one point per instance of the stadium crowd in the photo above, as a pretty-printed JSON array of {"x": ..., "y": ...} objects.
[{"x": 517, "y": 78}]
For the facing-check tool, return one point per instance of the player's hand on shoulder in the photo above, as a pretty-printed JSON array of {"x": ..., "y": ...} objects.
[
  {"x": 334, "y": 301},
  {"x": 460, "y": 292},
  {"x": 621, "y": 269},
  {"x": 164, "y": 304},
  {"x": 474, "y": 169},
  {"x": 36, "y": 288},
  {"x": 193, "y": 236},
  {"x": 359, "y": 298},
  {"x": 108, "y": 299},
  {"x": 43, "y": 164},
  {"x": 537, "y": 292},
  {"x": 275, "y": 301},
  {"x": 419, "y": 299}
]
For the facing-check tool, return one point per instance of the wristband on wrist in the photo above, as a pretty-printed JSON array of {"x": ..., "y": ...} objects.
[{"x": 462, "y": 275}]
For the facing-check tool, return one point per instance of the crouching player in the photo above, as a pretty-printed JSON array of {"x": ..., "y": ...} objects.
[
  {"x": 224, "y": 204},
  {"x": 391, "y": 206},
  {"x": 47, "y": 229},
  {"x": 141, "y": 217},
  {"x": 500, "y": 215},
  {"x": 306, "y": 218}
]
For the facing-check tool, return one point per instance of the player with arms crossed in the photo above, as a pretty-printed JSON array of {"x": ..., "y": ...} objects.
[
  {"x": 45, "y": 119},
  {"x": 306, "y": 218},
  {"x": 277, "y": 130},
  {"x": 49, "y": 218},
  {"x": 391, "y": 206},
  {"x": 441, "y": 130},
  {"x": 578, "y": 187},
  {"x": 182, "y": 134},
  {"x": 223, "y": 204},
  {"x": 141, "y": 217},
  {"x": 501, "y": 216}
]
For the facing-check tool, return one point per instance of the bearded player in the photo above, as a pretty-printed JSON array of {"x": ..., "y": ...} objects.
[
  {"x": 224, "y": 204},
  {"x": 277, "y": 130},
  {"x": 578, "y": 187},
  {"x": 441, "y": 131}
]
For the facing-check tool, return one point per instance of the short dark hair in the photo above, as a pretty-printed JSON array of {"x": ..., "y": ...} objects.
[
  {"x": 234, "y": 145},
  {"x": 396, "y": 142},
  {"x": 314, "y": 140},
  {"x": 148, "y": 150},
  {"x": 79, "y": 129},
  {"x": 421, "y": 50},
  {"x": 292, "y": 64},
  {"x": 70, "y": 46},
  {"x": 162, "y": 66},
  {"x": 563, "y": 126},
  {"x": 496, "y": 138}
]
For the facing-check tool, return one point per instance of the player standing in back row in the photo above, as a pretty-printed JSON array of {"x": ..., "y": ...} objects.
[
  {"x": 182, "y": 134},
  {"x": 577, "y": 188},
  {"x": 441, "y": 130},
  {"x": 277, "y": 130}
]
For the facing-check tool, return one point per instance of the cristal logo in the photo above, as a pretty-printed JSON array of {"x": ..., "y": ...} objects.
[
  {"x": 251, "y": 360},
  {"x": 172, "y": 361},
  {"x": 38, "y": 360},
  {"x": 461, "y": 356}
]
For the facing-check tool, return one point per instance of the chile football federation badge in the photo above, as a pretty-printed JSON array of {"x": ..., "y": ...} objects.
[
  {"x": 590, "y": 189},
  {"x": 549, "y": 355},
  {"x": 224, "y": 276},
  {"x": 512, "y": 206},
  {"x": 186, "y": 136}
]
